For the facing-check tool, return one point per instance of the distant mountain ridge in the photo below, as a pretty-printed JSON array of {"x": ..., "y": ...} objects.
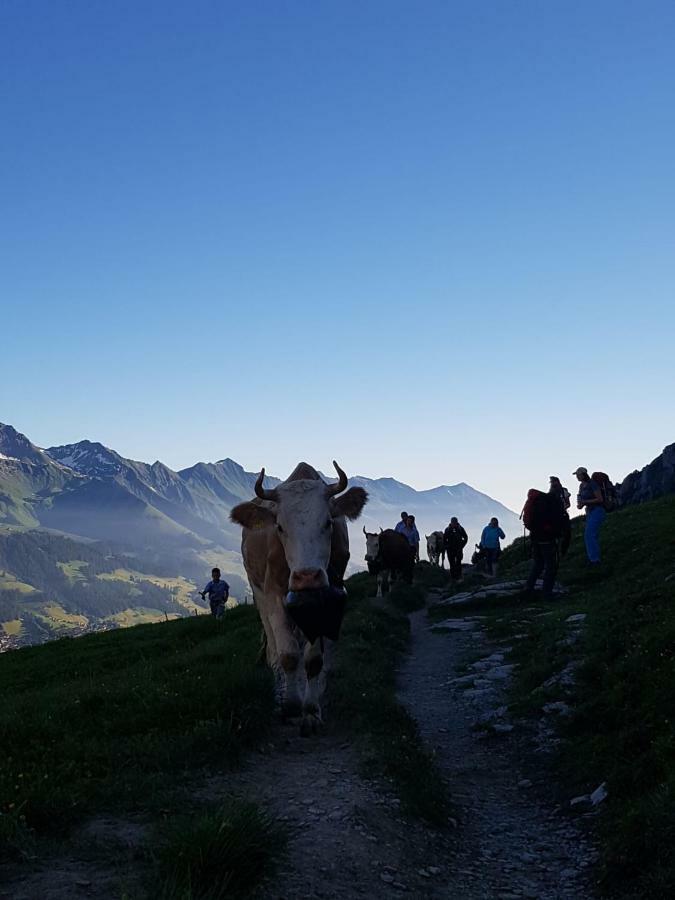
[{"x": 88, "y": 489}]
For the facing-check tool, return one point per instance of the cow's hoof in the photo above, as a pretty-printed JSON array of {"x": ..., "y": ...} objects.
[{"x": 291, "y": 709}]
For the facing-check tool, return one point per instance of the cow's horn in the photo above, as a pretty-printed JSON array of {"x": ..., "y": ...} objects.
[
  {"x": 261, "y": 492},
  {"x": 364, "y": 530},
  {"x": 341, "y": 485}
]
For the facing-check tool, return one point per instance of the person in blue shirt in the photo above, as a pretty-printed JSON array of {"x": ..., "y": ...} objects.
[
  {"x": 489, "y": 541},
  {"x": 591, "y": 500},
  {"x": 411, "y": 534},
  {"x": 403, "y": 524},
  {"x": 218, "y": 592}
]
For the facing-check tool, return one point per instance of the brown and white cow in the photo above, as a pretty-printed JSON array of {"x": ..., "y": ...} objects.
[{"x": 295, "y": 539}]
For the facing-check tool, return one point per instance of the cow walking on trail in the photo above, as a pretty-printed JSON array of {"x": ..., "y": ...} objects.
[
  {"x": 436, "y": 548},
  {"x": 296, "y": 549},
  {"x": 389, "y": 554}
]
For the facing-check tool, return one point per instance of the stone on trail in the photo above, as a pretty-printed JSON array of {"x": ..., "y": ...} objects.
[
  {"x": 488, "y": 662},
  {"x": 492, "y": 714},
  {"x": 499, "y": 673},
  {"x": 454, "y": 625},
  {"x": 576, "y": 619},
  {"x": 558, "y": 707},
  {"x": 599, "y": 794}
]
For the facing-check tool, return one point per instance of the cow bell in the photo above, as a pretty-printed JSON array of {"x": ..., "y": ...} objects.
[{"x": 318, "y": 612}]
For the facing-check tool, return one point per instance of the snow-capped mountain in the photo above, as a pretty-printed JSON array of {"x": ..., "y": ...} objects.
[{"x": 88, "y": 458}]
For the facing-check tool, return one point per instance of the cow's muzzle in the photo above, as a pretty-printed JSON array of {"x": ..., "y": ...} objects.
[
  {"x": 317, "y": 612},
  {"x": 308, "y": 579}
]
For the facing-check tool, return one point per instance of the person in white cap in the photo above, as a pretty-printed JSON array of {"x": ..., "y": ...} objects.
[{"x": 591, "y": 500}]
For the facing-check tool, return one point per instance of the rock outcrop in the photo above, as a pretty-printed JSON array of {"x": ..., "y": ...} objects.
[{"x": 655, "y": 480}]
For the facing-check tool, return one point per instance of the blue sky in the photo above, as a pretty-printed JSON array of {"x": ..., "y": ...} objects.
[{"x": 434, "y": 240}]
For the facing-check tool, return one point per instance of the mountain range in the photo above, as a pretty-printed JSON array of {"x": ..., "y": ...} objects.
[
  {"x": 170, "y": 527},
  {"x": 86, "y": 489}
]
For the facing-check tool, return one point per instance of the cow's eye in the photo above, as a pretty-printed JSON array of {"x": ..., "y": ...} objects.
[{"x": 280, "y": 529}]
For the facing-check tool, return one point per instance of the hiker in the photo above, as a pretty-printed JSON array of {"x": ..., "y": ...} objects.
[
  {"x": 544, "y": 516},
  {"x": 558, "y": 490},
  {"x": 411, "y": 534},
  {"x": 489, "y": 541},
  {"x": 590, "y": 498},
  {"x": 218, "y": 592},
  {"x": 455, "y": 540},
  {"x": 403, "y": 524},
  {"x": 415, "y": 542}
]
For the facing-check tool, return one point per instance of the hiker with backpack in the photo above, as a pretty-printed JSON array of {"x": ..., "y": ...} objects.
[
  {"x": 544, "y": 516},
  {"x": 558, "y": 490},
  {"x": 489, "y": 541},
  {"x": 596, "y": 496},
  {"x": 455, "y": 540}
]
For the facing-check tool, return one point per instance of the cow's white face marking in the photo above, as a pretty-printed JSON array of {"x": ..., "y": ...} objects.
[
  {"x": 372, "y": 546},
  {"x": 304, "y": 524}
]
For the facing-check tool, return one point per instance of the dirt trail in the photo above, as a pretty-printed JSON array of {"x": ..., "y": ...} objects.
[
  {"x": 349, "y": 838},
  {"x": 512, "y": 841},
  {"x": 347, "y": 835}
]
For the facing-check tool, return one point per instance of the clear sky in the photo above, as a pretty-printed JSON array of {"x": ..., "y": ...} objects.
[{"x": 433, "y": 240}]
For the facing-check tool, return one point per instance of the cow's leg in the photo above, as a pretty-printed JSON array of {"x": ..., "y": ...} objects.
[
  {"x": 268, "y": 645},
  {"x": 380, "y": 579},
  {"x": 311, "y": 709},
  {"x": 288, "y": 655}
]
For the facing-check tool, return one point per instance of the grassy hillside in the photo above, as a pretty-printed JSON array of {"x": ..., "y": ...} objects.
[
  {"x": 115, "y": 720},
  {"x": 125, "y": 723},
  {"x": 622, "y": 730}
]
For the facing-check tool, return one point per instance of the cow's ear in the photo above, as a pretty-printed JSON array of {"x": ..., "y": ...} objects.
[
  {"x": 252, "y": 515},
  {"x": 349, "y": 504}
]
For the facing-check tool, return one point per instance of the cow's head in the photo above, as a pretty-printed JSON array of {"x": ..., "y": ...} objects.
[
  {"x": 372, "y": 545},
  {"x": 302, "y": 512}
]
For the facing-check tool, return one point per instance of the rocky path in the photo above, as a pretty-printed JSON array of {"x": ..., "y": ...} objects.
[
  {"x": 512, "y": 841},
  {"x": 348, "y": 837}
]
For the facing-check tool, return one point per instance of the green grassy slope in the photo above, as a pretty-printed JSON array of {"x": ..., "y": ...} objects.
[
  {"x": 124, "y": 722},
  {"x": 112, "y": 720},
  {"x": 623, "y": 728}
]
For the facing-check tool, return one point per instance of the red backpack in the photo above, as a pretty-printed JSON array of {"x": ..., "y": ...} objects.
[
  {"x": 543, "y": 515},
  {"x": 610, "y": 498}
]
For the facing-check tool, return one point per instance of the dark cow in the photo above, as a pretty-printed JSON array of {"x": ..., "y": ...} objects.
[
  {"x": 295, "y": 539},
  {"x": 389, "y": 554},
  {"x": 436, "y": 548}
]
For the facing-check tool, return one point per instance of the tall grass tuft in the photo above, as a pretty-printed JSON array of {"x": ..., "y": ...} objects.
[{"x": 219, "y": 853}]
